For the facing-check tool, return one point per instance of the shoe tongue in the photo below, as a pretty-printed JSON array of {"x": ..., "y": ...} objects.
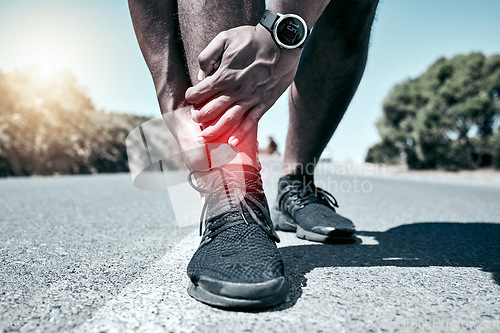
[
  {"x": 224, "y": 199},
  {"x": 249, "y": 175},
  {"x": 243, "y": 170}
]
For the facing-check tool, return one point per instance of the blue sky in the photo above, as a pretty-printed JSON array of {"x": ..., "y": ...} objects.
[{"x": 95, "y": 40}]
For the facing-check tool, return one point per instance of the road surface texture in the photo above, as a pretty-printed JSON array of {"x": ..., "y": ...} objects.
[{"x": 95, "y": 254}]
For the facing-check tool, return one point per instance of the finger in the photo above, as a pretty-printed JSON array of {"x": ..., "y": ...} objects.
[
  {"x": 230, "y": 119},
  {"x": 213, "y": 109},
  {"x": 209, "y": 58},
  {"x": 249, "y": 124},
  {"x": 203, "y": 91}
]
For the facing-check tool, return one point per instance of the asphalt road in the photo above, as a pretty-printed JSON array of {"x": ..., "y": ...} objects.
[{"x": 93, "y": 253}]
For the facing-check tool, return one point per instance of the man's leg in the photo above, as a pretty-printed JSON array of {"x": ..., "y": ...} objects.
[
  {"x": 200, "y": 22},
  {"x": 157, "y": 30},
  {"x": 237, "y": 264},
  {"x": 329, "y": 72}
]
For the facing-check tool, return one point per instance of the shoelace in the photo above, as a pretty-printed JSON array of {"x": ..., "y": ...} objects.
[
  {"x": 231, "y": 184},
  {"x": 295, "y": 196}
]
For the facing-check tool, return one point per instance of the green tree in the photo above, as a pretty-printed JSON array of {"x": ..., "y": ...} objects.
[{"x": 448, "y": 117}]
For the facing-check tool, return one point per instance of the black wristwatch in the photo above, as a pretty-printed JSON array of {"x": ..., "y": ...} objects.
[{"x": 289, "y": 31}]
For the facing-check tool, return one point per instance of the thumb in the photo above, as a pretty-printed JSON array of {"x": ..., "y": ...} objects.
[{"x": 209, "y": 59}]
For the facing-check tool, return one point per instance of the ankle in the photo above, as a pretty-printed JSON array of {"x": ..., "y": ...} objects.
[
  {"x": 304, "y": 173},
  {"x": 245, "y": 160}
]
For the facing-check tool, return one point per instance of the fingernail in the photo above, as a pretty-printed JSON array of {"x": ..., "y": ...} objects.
[
  {"x": 200, "y": 139},
  {"x": 233, "y": 141},
  {"x": 194, "y": 115},
  {"x": 201, "y": 75}
]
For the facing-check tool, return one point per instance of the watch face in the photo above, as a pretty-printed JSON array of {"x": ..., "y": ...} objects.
[{"x": 290, "y": 31}]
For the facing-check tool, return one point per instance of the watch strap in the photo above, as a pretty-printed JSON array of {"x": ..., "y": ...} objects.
[{"x": 268, "y": 20}]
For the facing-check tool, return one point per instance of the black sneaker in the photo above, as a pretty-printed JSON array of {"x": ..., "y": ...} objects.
[
  {"x": 237, "y": 264},
  {"x": 309, "y": 211}
]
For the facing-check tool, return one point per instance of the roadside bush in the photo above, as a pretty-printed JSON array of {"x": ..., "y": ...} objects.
[{"x": 48, "y": 125}]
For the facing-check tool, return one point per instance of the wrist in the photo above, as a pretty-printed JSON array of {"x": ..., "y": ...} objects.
[
  {"x": 267, "y": 45},
  {"x": 265, "y": 36}
]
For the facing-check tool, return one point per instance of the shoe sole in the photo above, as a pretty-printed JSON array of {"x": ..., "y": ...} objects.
[
  {"x": 285, "y": 222},
  {"x": 241, "y": 296}
]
